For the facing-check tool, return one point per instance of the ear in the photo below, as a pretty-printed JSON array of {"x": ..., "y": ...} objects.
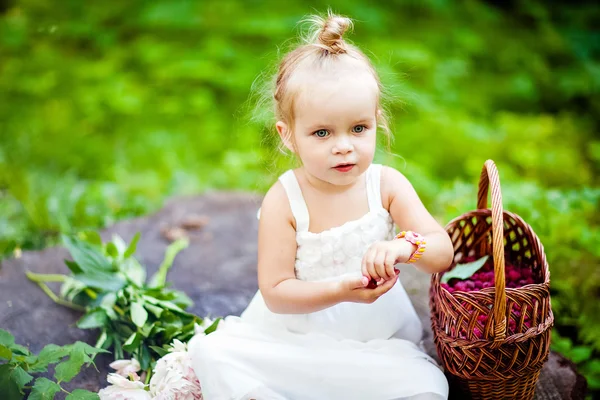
[{"x": 285, "y": 134}]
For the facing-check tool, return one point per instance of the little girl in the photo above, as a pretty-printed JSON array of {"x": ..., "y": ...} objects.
[{"x": 331, "y": 320}]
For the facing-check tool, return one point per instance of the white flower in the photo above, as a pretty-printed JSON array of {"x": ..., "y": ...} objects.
[
  {"x": 174, "y": 378},
  {"x": 123, "y": 389},
  {"x": 125, "y": 367},
  {"x": 178, "y": 347}
]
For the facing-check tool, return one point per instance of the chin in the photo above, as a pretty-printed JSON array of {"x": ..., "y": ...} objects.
[{"x": 345, "y": 180}]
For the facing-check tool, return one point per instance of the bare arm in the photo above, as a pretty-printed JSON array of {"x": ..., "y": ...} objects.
[
  {"x": 409, "y": 213},
  {"x": 282, "y": 292}
]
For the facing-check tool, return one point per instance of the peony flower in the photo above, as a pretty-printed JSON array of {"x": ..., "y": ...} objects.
[
  {"x": 125, "y": 367},
  {"x": 123, "y": 389},
  {"x": 174, "y": 378},
  {"x": 178, "y": 347}
]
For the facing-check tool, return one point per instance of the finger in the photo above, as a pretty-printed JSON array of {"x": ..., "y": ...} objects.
[
  {"x": 379, "y": 263},
  {"x": 366, "y": 257},
  {"x": 355, "y": 282},
  {"x": 385, "y": 286},
  {"x": 389, "y": 265},
  {"x": 362, "y": 282},
  {"x": 370, "y": 265}
]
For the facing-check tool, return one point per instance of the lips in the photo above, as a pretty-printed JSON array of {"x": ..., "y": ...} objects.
[{"x": 344, "y": 167}]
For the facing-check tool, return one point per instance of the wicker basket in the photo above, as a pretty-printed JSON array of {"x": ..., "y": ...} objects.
[{"x": 496, "y": 363}]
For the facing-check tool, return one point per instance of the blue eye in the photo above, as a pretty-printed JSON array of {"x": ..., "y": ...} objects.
[
  {"x": 321, "y": 133},
  {"x": 359, "y": 129}
]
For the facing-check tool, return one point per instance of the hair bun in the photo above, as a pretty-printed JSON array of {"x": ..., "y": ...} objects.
[{"x": 331, "y": 32}]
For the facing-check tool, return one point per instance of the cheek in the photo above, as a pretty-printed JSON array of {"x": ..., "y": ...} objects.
[{"x": 367, "y": 142}]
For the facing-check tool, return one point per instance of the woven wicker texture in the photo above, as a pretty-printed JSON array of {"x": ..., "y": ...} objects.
[{"x": 499, "y": 363}]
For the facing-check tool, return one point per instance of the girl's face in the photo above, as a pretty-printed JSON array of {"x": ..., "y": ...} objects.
[{"x": 334, "y": 131}]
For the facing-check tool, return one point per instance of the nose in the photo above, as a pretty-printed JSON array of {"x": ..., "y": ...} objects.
[{"x": 343, "y": 145}]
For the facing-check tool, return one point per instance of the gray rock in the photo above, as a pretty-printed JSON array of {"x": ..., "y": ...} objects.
[{"x": 217, "y": 270}]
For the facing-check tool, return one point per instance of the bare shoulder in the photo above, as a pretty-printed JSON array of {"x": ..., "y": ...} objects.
[
  {"x": 393, "y": 182},
  {"x": 276, "y": 206}
]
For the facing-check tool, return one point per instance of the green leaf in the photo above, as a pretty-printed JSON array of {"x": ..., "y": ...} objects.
[
  {"x": 71, "y": 288},
  {"x": 212, "y": 327},
  {"x": 111, "y": 250},
  {"x": 593, "y": 367},
  {"x": 160, "y": 351},
  {"x": 119, "y": 243},
  {"x": 132, "y": 342},
  {"x": 68, "y": 369},
  {"x": 134, "y": 271},
  {"x": 107, "y": 303},
  {"x": 50, "y": 354},
  {"x": 81, "y": 394},
  {"x": 150, "y": 299},
  {"x": 73, "y": 266},
  {"x": 145, "y": 357},
  {"x": 95, "y": 318},
  {"x": 147, "y": 329},
  {"x": 118, "y": 347},
  {"x": 5, "y": 352},
  {"x": 6, "y": 338},
  {"x": 44, "y": 389},
  {"x": 580, "y": 353},
  {"x": 593, "y": 383},
  {"x": 157, "y": 311},
  {"x": 90, "y": 350},
  {"x": 18, "y": 349},
  {"x": 21, "y": 377},
  {"x": 101, "y": 280},
  {"x": 159, "y": 279},
  {"x": 464, "y": 271},
  {"x": 87, "y": 257},
  {"x": 170, "y": 306},
  {"x": 138, "y": 314},
  {"x": 182, "y": 300},
  {"x": 92, "y": 237},
  {"x": 560, "y": 344},
  {"x": 104, "y": 341},
  {"x": 132, "y": 245},
  {"x": 8, "y": 386},
  {"x": 12, "y": 380}
]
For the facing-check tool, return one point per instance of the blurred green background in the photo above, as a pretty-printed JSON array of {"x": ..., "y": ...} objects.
[{"x": 108, "y": 108}]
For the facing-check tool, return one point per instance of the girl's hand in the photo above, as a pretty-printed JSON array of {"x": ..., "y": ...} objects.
[
  {"x": 354, "y": 289},
  {"x": 378, "y": 262}
]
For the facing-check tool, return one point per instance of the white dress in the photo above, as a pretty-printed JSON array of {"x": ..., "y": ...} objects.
[{"x": 347, "y": 351}]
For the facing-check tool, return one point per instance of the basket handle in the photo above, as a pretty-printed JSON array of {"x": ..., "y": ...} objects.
[{"x": 489, "y": 176}]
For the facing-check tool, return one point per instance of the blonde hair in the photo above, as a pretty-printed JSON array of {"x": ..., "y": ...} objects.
[{"x": 324, "y": 45}]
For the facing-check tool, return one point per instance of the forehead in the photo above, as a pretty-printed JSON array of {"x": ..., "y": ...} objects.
[{"x": 335, "y": 96}]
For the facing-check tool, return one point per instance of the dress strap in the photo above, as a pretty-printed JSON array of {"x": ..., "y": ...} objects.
[
  {"x": 297, "y": 203},
  {"x": 374, "y": 187}
]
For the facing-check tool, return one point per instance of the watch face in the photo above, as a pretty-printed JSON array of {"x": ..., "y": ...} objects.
[{"x": 412, "y": 237}]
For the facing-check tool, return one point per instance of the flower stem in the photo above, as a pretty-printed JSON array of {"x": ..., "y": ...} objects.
[
  {"x": 45, "y": 277},
  {"x": 57, "y": 299},
  {"x": 119, "y": 310},
  {"x": 148, "y": 375}
]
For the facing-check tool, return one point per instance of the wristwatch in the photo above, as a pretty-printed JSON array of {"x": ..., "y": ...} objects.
[{"x": 416, "y": 239}]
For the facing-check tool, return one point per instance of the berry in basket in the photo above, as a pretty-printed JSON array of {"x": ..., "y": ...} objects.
[{"x": 477, "y": 274}]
